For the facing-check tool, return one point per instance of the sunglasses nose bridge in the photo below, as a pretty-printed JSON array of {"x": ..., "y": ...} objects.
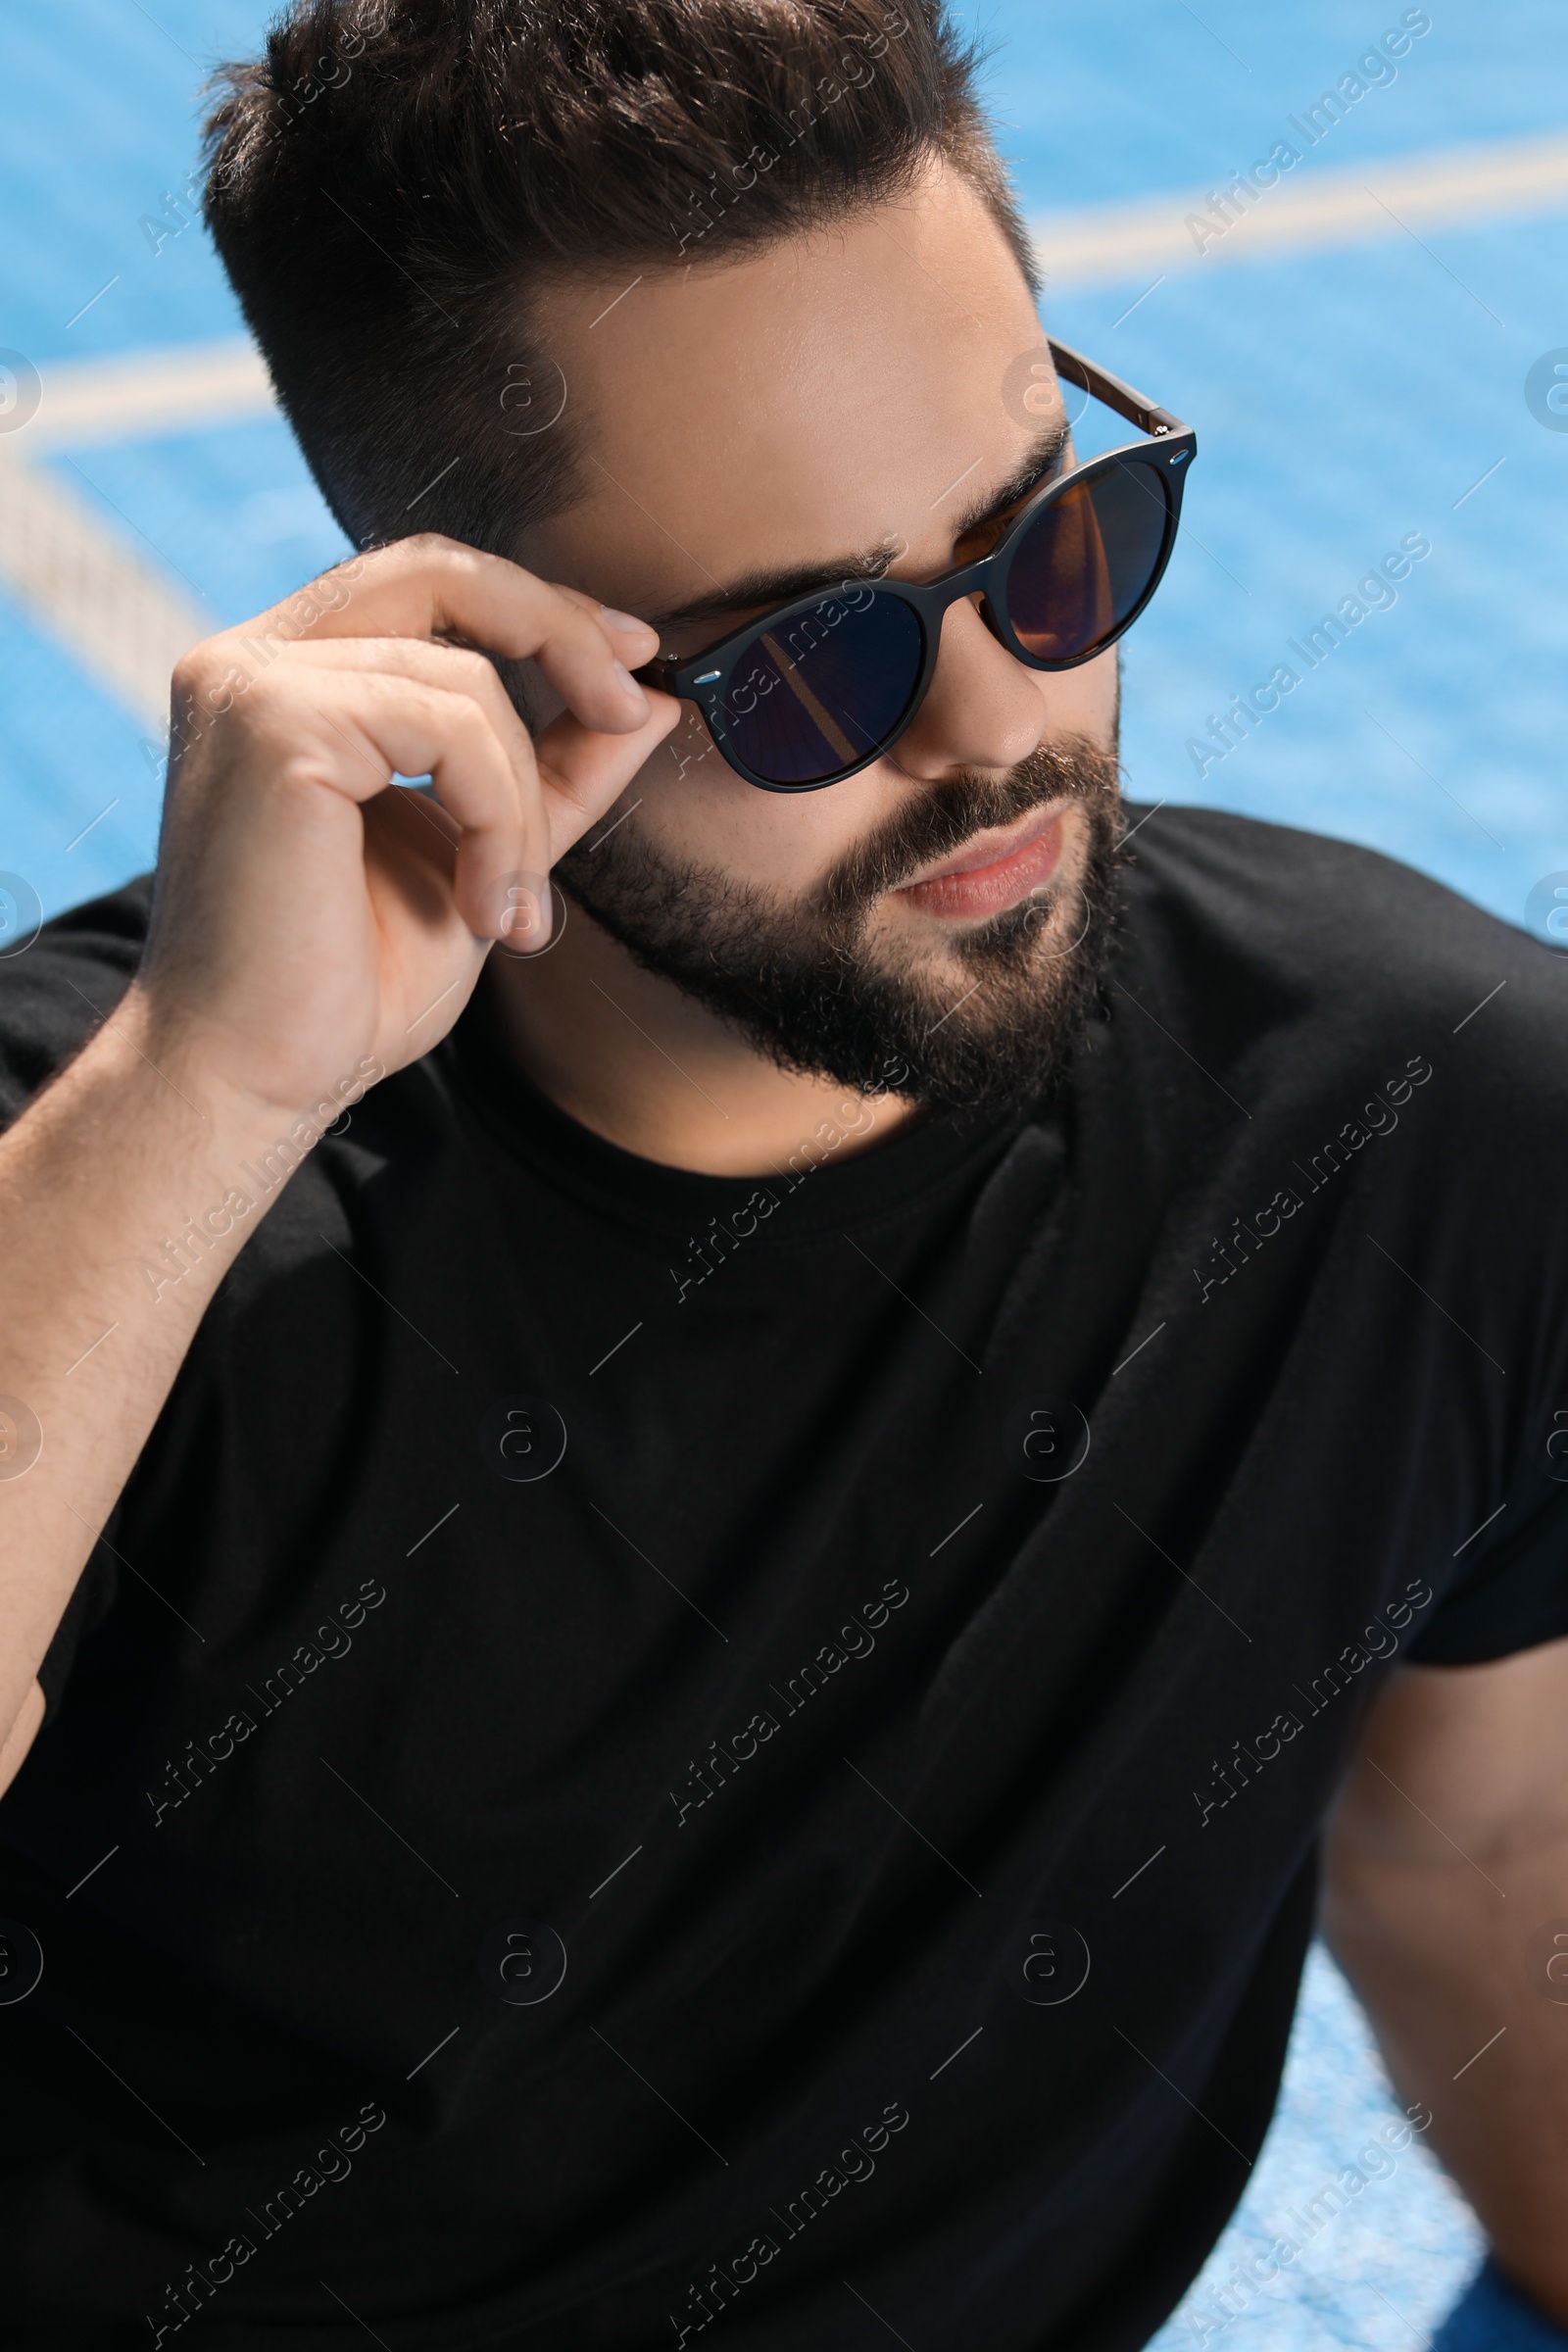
[
  {"x": 971, "y": 581},
  {"x": 988, "y": 614}
]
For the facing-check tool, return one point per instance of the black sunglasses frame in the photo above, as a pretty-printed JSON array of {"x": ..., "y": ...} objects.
[{"x": 1167, "y": 445}]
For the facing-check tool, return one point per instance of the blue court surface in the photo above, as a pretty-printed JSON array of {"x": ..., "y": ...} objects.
[{"x": 1348, "y": 396}]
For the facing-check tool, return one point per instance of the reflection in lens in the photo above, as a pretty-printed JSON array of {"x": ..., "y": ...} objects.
[
  {"x": 1086, "y": 562},
  {"x": 818, "y": 694}
]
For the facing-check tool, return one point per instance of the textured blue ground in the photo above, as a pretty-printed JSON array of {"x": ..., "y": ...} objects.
[{"x": 1343, "y": 399}]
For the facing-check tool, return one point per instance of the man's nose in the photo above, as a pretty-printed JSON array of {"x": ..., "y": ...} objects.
[{"x": 983, "y": 708}]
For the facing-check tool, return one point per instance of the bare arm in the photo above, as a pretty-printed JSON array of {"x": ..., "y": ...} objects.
[
  {"x": 312, "y": 930},
  {"x": 1449, "y": 1853},
  {"x": 108, "y": 1161}
]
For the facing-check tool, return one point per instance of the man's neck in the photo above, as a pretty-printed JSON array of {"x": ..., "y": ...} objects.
[{"x": 630, "y": 1056}]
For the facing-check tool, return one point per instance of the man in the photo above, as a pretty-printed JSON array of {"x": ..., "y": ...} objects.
[{"x": 723, "y": 1440}]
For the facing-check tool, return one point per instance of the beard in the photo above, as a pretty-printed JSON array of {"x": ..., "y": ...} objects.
[{"x": 807, "y": 983}]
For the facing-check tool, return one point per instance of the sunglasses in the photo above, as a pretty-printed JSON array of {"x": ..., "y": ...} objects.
[{"x": 820, "y": 686}]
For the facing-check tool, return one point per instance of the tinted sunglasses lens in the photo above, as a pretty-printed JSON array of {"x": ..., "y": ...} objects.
[
  {"x": 1087, "y": 562},
  {"x": 814, "y": 695}
]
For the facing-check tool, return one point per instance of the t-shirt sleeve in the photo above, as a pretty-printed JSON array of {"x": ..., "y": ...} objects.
[
  {"x": 88, "y": 1605},
  {"x": 1515, "y": 1595},
  {"x": 54, "y": 991}
]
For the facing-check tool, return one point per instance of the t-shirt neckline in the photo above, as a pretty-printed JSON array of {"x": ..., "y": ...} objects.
[{"x": 830, "y": 1186}]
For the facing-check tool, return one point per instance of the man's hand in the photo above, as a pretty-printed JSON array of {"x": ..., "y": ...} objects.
[
  {"x": 308, "y": 916},
  {"x": 1447, "y": 1856},
  {"x": 310, "y": 922}
]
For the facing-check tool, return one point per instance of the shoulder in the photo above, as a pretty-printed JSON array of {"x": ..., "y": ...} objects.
[
  {"x": 1281, "y": 946},
  {"x": 57, "y": 987}
]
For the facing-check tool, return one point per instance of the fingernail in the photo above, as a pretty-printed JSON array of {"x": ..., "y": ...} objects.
[
  {"x": 627, "y": 622},
  {"x": 631, "y": 685},
  {"x": 519, "y": 913}
]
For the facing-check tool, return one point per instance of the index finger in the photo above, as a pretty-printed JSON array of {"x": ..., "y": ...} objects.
[{"x": 433, "y": 588}]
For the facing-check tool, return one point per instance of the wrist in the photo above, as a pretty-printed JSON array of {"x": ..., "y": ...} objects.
[
  {"x": 164, "y": 1089},
  {"x": 241, "y": 1116}
]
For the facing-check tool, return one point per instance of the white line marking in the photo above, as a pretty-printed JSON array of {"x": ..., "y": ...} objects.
[
  {"x": 1323, "y": 209},
  {"x": 80, "y": 579},
  {"x": 148, "y": 394},
  {"x": 127, "y": 624}
]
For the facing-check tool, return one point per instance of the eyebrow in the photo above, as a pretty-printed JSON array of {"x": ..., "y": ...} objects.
[{"x": 757, "y": 588}]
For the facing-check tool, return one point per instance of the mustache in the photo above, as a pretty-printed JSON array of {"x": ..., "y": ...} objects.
[{"x": 941, "y": 819}]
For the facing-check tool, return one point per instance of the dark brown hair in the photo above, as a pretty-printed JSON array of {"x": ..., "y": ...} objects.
[{"x": 393, "y": 179}]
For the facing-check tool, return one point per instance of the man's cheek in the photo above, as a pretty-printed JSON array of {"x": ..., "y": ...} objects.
[
  {"x": 783, "y": 845},
  {"x": 688, "y": 747}
]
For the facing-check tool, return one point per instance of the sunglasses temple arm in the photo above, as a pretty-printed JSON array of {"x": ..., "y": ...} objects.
[
  {"x": 658, "y": 673},
  {"x": 1102, "y": 386}
]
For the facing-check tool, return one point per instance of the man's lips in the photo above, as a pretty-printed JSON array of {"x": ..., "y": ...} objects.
[{"x": 995, "y": 872}]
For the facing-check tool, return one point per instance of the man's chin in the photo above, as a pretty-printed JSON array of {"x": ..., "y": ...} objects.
[
  {"x": 874, "y": 993},
  {"x": 987, "y": 1016}
]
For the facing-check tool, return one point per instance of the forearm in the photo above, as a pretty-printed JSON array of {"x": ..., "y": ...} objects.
[
  {"x": 110, "y": 1164},
  {"x": 1435, "y": 1945},
  {"x": 310, "y": 920}
]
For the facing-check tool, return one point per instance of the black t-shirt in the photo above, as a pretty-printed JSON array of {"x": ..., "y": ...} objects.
[{"x": 660, "y": 1753}]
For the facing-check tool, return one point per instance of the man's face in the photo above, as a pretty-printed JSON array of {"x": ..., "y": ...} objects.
[{"x": 825, "y": 407}]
